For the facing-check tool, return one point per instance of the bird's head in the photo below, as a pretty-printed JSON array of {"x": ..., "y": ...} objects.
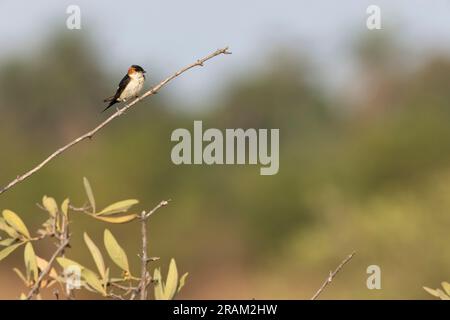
[{"x": 135, "y": 70}]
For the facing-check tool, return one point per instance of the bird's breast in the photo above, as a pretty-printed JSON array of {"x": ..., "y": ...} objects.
[{"x": 132, "y": 88}]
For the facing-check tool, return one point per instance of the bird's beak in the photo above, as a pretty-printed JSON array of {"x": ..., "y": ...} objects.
[{"x": 144, "y": 71}]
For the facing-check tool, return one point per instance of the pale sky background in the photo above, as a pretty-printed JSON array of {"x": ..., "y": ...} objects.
[{"x": 166, "y": 35}]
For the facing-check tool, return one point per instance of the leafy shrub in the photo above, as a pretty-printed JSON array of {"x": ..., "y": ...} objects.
[{"x": 70, "y": 275}]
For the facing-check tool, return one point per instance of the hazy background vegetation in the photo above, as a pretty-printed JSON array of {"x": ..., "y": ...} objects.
[{"x": 364, "y": 165}]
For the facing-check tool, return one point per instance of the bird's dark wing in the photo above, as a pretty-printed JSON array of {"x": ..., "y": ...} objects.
[
  {"x": 123, "y": 83},
  {"x": 114, "y": 99}
]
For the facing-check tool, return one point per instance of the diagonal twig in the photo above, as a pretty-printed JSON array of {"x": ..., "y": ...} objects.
[
  {"x": 332, "y": 275},
  {"x": 118, "y": 113},
  {"x": 36, "y": 286}
]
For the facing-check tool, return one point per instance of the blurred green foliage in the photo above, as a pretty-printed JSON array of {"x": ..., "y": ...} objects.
[{"x": 365, "y": 170}]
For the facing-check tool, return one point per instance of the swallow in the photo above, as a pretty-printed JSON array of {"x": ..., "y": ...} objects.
[{"x": 129, "y": 87}]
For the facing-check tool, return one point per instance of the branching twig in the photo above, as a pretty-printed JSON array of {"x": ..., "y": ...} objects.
[
  {"x": 63, "y": 238},
  {"x": 144, "y": 261},
  {"x": 332, "y": 275},
  {"x": 35, "y": 289},
  {"x": 161, "y": 204},
  {"x": 144, "y": 254},
  {"x": 118, "y": 113}
]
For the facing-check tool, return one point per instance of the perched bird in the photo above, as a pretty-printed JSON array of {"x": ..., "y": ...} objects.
[{"x": 129, "y": 86}]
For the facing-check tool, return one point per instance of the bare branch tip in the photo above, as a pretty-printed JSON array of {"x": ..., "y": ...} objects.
[
  {"x": 225, "y": 50},
  {"x": 332, "y": 275}
]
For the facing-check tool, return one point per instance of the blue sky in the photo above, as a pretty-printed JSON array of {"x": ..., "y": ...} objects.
[{"x": 165, "y": 35}]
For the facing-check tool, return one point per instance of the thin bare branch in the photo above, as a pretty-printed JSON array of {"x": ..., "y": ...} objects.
[
  {"x": 35, "y": 289},
  {"x": 123, "y": 288},
  {"x": 118, "y": 113},
  {"x": 144, "y": 258},
  {"x": 161, "y": 204},
  {"x": 144, "y": 253},
  {"x": 332, "y": 275},
  {"x": 84, "y": 208},
  {"x": 63, "y": 237}
]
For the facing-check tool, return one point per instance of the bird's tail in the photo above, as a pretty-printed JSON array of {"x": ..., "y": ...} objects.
[{"x": 112, "y": 101}]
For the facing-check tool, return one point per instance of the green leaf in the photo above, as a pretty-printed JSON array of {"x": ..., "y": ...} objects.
[
  {"x": 121, "y": 219},
  {"x": 8, "y": 250},
  {"x": 67, "y": 263},
  {"x": 7, "y": 242},
  {"x": 159, "y": 285},
  {"x": 167, "y": 290},
  {"x": 172, "y": 281},
  {"x": 89, "y": 193},
  {"x": 446, "y": 287},
  {"x": 30, "y": 261},
  {"x": 14, "y": 221},
  {"x": 431, "y": 291},
  {"x": 88, "y": 275},
  {"x": 50, "y": 205},
  {"x": 65, "y": 207},
  {"x": 121, "y": 206},
  {"x": 96, "y": 255},
  {"x": 93, "y": 281},
  {"x": 115, "y": 251},
  {"x": 442, "y": 295},
  {"x": 6, "y": 228},
  {"x": 182, "y": 281}
]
